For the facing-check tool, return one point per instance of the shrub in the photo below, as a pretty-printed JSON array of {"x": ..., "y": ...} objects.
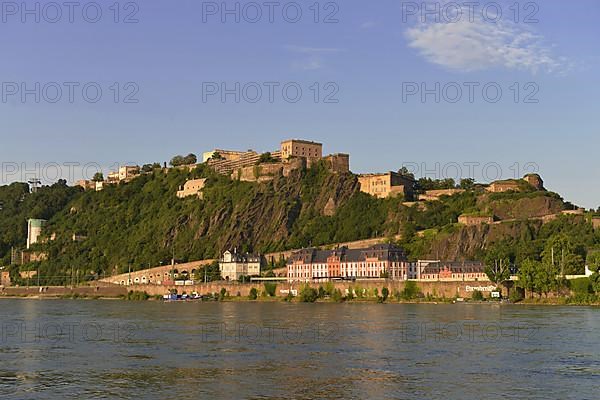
[
  {"x": 270, "y": 289},
  {"x": 289, "y": 297},
  {"x": 477, "y": 295},
  {"x": 337, "y": 296},
  {"x": 385, "y": 292},
  {"x": 515, "y": 296},
  {"x": 581, "y": 286},
  {"x": 410, "y": 291},
  {"x": 350, "y": 294},
  {"x": 321, "y": 292},
  {"x": 137, "y": 295},
  {"x": 222, "y": 294},
  {"x": 308, "y": 294},
  {"x": 329, "y": 288},
  {"x": 253, "y": 294}
]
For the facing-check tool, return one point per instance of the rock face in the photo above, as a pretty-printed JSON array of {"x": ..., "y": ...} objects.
[
  {"x": 527, "y": 207},
  {"x": 469, "y": 241},
  {"x": 535, "y": 180},
  {"x": 267, "y": 215},
  {"x": 330, "y": 208}
]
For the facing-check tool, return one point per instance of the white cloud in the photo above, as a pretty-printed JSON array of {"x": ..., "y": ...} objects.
[
  {"x": 312, "y": 56},
  {"x": 479, "y": 45}
]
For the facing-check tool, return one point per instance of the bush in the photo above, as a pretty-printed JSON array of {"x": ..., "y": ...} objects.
[
  {"x": 385, "y": 292},
  {"x": 137, "y": 295},
  {"x": 222, "y": 294},
  {"x": 515, "y": 296},
  {"x": 270, "y": 289},
  {"x": 289, "y": 297},
  {"x": 253, "y": 294},
  {"x": 581, "y": 286},
  {"x": 321, "y": 292},
  {"x": 337, "y": 296},
  {"x": 477, "y": 295},
  {"x": 410, "y": 291},
  {"x": 308, "y": 294}
]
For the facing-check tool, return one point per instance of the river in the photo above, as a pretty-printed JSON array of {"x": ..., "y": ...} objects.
[{"x": 86, "y": 349}]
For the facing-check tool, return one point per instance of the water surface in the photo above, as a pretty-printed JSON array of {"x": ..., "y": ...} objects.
[{"x": 146, "y": 350}]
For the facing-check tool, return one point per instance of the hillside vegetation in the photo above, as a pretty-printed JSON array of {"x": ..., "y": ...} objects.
[{"x": 142, "y": 223}]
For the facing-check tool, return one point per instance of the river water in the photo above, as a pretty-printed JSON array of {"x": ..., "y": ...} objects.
[{"x": 87, "y": 349}]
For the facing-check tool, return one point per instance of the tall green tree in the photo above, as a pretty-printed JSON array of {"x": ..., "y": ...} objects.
[
  {"x": 559, "y": 252},
  {"x": 528, "y": 275}
]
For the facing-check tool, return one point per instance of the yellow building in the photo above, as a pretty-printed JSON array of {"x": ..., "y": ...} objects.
[
  {"x": 191, "y": 188},
  {"x": 389, "y": 184},
  {"x": 128, "y": 172},
  {"x": 301, "y": 148},
  {"x": 225, "y": 154}
]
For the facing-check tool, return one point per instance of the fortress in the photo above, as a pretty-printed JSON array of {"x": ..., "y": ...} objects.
[{"x": 292, "y": 154}]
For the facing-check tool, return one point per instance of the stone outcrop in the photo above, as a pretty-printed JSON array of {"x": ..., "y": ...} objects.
[{"x": 330, "y": 207}]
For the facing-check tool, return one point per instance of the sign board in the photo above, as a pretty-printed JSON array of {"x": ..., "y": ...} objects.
[{"x": 496, "y": 295}]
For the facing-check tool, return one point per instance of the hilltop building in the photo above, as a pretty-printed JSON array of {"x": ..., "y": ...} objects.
[
  {"x": 124, "y": 174},
  {"x": 301, "y": 148},
  {"x": 311, "y": 264},
  {"x": 192, "y": 187},
  {"x": 431, "y": 195},
  {"x": 389, "y": 184},
  {"x": 292, "y": 154},
  {"x": 233, "y": 265},
  {"x": 230, "y": 155},
  {"x": 527, "y": 183}
]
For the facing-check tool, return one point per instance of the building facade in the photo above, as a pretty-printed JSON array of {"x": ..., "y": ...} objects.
[
  {"x": 234, "y": 265},
  {"x": 301, "y": 148},
  {"x": 381, "y": 260},
  {"x": 389, "y": 184},
  {"x": 192, "y": 187},
  {"x": 474, "y": 220},
  {"x": 436, "y": 270},
  {"x": 432, "y": 195}
]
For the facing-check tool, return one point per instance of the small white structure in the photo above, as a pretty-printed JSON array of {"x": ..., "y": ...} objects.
[{"x": 34, "y": 230}]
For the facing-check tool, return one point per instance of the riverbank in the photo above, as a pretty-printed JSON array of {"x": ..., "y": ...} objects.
[{"x": 371, "y": 292}]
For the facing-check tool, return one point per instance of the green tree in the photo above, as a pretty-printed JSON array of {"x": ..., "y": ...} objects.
[
  {"x": 593, "y": 260},
  {"x": 528, "y": 271},
  {"x": 98, "y": 177},
  {"x": 560, "y": 253},
  {"x": 499, "y": 271},
  {"x": 467, "y": 183}
]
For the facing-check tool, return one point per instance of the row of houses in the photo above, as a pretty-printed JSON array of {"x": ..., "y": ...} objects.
[{"x": 378, "y": 261}]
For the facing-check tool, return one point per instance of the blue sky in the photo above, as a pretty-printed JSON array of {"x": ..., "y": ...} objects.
[{"x": 367, "y": 61}]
